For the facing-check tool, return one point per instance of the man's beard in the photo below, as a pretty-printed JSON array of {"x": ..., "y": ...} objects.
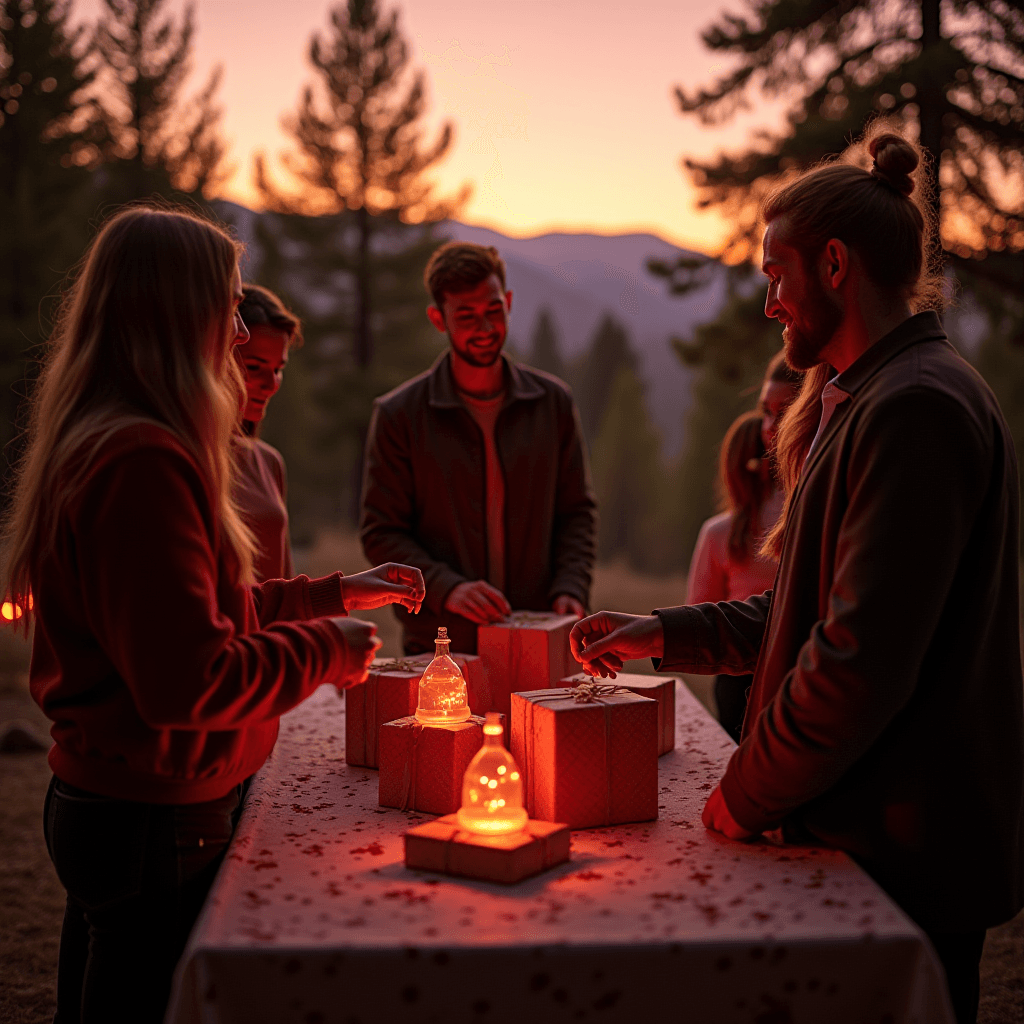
[
  {"x": 481, "y": 360},
  {"x": 822, "y": 317}
]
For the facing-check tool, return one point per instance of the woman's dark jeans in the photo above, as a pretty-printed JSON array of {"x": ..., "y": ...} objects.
[{"x": 136, "y": 877}]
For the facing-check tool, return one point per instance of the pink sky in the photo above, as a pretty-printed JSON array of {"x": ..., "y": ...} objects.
[{"x": 564, "y": 113}]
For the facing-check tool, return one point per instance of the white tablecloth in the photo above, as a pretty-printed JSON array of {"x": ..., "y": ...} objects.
[{"x": 314, "y": 918}]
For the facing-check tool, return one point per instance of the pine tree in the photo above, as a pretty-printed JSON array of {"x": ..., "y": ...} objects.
[
  {"x": 545, "y": 351},
  {"x": 48, "y": 132},
  {"x": 627, "y": 468},
  {"x": 610, "y": 351},
  {"x": 358, "y": 232},
  {"x": 159, "y": 142},
  {"x": 360, "y": 147},
  {"x": 948, "y": 71}
]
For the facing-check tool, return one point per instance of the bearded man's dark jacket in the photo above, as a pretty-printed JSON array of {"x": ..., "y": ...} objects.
[
  {"x": 424, "y": 500},
  {"x": 885, "y": 715}
]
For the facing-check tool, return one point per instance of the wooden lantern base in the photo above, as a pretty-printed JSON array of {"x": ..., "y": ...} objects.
[{"x": 440, "y": 845}]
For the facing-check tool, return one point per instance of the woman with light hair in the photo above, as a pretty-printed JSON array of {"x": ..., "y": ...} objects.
[{"x": 162, "y": 666}]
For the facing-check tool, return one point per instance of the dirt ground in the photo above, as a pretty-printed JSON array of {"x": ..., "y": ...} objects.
[{"x": 32, "y": 900}]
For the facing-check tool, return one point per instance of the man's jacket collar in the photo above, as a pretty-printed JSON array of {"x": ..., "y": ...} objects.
[
  {"x": 442, "y": 393},
  {"x": 920, "y": 327}
]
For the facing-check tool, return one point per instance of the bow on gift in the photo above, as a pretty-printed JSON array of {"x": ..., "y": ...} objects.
[
  {"x": 588, "y": 692},
  {"x": 398, "y": 665}
]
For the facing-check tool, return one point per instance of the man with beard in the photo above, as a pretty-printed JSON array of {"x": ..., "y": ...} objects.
[
  {"x": 476, "y": 470},
  {"x": 885, "y": 715}
]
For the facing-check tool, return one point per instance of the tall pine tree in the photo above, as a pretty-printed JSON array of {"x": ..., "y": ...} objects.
[
  {"x": 360, "y": 146},
  {"x": 949, "y": 71},
  {"x": 594, "y": 375},
  {"x": 349, "y": 239},
  {"x": 48, "y": 135},
  {"x": 627, "y": 468},
  {"x": 159, "y": 142},
  {"x": 545, "y": 350}
]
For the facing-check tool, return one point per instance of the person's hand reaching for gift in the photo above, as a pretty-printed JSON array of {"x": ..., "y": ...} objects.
[
  {"x": 602, "y": 642},
  {"x": 390, "y": 583},
  {"x": 566, "y": 604},
  {"x": 479, "y": 602},
  {"x": 718, "y": 818},
  {"x": 362, "y": 643}
]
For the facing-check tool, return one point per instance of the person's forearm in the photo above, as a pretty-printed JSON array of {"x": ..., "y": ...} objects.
[{"x": 708, "y": 639}]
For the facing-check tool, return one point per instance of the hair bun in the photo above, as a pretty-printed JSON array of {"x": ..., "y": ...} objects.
[{"x": 895, "y": 161}]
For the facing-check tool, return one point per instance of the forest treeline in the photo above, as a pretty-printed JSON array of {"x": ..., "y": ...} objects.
[{"x": 96, "y": 114}]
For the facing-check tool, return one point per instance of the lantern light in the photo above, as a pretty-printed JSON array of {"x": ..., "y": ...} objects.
[
  {"x": 442, "y": 697},
  {"x": 492, "y": 789}
]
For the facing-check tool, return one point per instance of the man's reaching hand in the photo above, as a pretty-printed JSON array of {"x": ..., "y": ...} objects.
[
  {"x": 479, "y": 602},
  {"x": 602, "y": 642}
]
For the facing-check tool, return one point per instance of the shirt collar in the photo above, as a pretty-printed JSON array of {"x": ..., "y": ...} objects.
[
  {"x": 442, "y": 393},
  {"x": 915, "y": 329}
]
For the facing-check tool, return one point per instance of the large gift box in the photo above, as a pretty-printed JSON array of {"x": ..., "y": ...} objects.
[
  {"x": 440, "y": 845},
  {"x": 422, "y": 766},
  {"x": 659, "y": 688},
  {"x": 588, "y": 754},
  {"x": 526, "y": 651},
  {"x": 391, "y": 691}
]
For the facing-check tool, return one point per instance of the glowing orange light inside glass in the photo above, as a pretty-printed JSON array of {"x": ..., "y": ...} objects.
[
  {"x": 492, "y": 791},
  {"x": 442, "y": 697}
]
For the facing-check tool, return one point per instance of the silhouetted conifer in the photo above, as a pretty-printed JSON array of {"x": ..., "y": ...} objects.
[
  {"x": 159, "y": 142},
  {"x": 594, "y": 376},
  {"x": 48, "y": 133},
  {"x": 545, "y": 350}
]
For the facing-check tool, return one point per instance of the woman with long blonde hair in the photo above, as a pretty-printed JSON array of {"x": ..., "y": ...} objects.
[{"x": 163, "y": 669}]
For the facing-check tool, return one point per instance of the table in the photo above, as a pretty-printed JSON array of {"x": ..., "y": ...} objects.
[{"x": 314, "y": 919}]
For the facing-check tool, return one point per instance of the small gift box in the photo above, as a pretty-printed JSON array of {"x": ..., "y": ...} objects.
[
  {"x": 588, "y": 754},
  {"x": 659, "y": 688},
  {"x": 391, "y": 691},
  {"x": 441, "y": 846},
  {"x": 422, "y": 766},
  {"x": 527, "y": 651}
]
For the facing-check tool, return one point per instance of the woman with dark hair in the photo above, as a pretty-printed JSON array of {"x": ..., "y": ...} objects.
[
  {"x": 727, "y": 562},
  {"x": 261, "y": 483},
  {"x": 162, "y": 666}
]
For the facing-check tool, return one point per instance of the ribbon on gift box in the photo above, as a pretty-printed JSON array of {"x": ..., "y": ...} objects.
[
  {"x": 411, "y": 764},
  {"x": 584, "y": 693}
]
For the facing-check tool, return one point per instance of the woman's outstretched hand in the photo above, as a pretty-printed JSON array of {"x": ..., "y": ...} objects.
[
  {"x": 390, "y": 583},
  {"x": 602, "y": 642},
  {"x": 361, "y": 640}
]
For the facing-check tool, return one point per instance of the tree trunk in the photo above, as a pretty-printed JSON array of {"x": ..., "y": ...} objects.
[
  {"x": 364, "y": 341},
  {"x": 931, "y": 94}
]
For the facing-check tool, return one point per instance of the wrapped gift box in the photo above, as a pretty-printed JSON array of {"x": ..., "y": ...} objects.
[
  {"x": 587, "y": 758},
  {"x": 659, "y": 688},
  {"x": 422, "y": 766},
  {"x": 527, "y": 651},
  {"x": 441, "y": 846},
  {"x": 391, "y": 691}
]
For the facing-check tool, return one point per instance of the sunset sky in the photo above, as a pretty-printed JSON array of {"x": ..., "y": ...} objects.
[{"x": 564, "y": 113}]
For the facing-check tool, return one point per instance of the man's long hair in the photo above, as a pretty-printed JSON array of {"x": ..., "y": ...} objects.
[
  {"x": 884, "y": 214},
  {"x": 744, "y": 487},
  {"x": 144, "y": 336}
]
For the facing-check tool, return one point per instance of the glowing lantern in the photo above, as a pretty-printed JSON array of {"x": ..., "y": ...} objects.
[
  {"x": 443, "y": 699},
  {"x": 492, "y": 789}
]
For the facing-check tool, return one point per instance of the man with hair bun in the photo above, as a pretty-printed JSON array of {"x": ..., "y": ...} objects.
[
  {"x": 885, "y": 716},
  {"x": 476, "y": 471}
]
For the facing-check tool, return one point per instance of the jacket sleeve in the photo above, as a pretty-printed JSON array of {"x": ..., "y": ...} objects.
[
  {"x": 712, "y": 639},
  {"x": 386, "y": 519},
  {"x": 915, "y": 480},
  {"x": 575, "y": 521},
  {"x": 143, "y": 534}
]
